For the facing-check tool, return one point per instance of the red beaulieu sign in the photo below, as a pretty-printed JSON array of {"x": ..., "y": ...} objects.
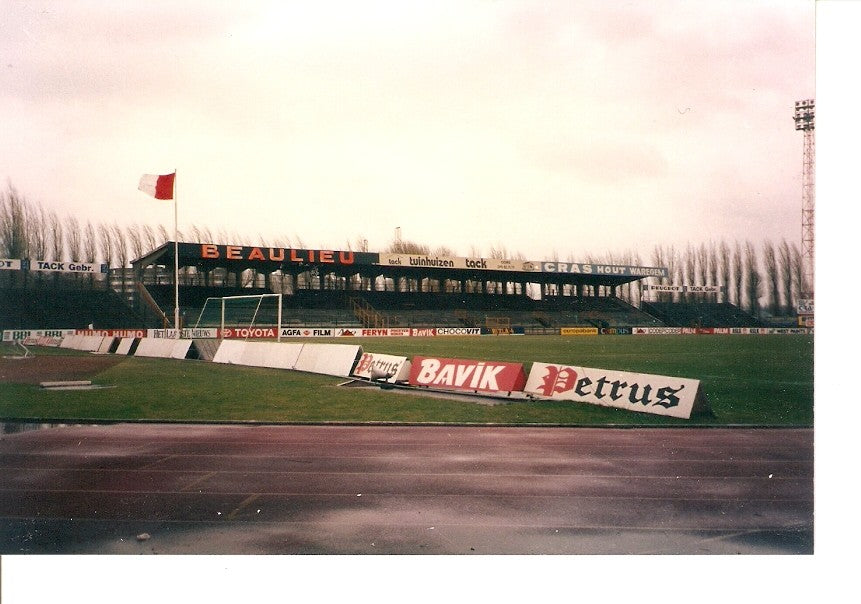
[{"x": 466, "y": 375}]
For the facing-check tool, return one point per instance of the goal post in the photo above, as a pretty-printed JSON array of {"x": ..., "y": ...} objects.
[{"x": 258, "y": 310}]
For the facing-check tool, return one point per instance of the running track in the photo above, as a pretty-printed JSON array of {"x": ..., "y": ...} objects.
[{"x": 232, "y": 489}]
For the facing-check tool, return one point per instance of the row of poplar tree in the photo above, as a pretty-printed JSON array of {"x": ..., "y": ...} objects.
[{"x": 764, "y": 279}]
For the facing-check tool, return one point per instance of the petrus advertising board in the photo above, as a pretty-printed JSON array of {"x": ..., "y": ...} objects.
[{"x": 656, "y": 394}]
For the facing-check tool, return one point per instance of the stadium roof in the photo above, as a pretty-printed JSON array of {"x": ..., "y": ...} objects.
[{"x": 237, "y": 258}]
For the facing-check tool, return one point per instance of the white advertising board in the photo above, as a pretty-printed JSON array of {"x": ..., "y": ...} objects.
[
  {"x": 11, "y": 335},
  {"x": 125, "y": 346},
  {"x": 187, "y": 333},
  {"x": 328, "y": 359},
  {"x": 701, "y": 289},
  {"x": 68, "y": 267},
  {"x": 71, "y": 341},
  {"x": 455, "y": 262},
  {"x": 656, "y": 394},
  {"x": 180, "y": 349},
  {"x": 230, "y": 351},
  {"x": 372, "y": 365},
  {"x": 155, "y": 347},
  {"x": 275, "y": 355},
  {"x": 105, "y": 346},
  {"x": 83, "y": 343}
]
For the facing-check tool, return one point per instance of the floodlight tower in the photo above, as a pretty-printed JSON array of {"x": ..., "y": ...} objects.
[{"x": 805, "y": 120}]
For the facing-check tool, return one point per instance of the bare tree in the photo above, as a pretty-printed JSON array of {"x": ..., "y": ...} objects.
[
  {"x": 784, "y": 256},
  {"x": 689, "y": 266},
  {"x": 798, "y": 271},
  {"x": 737, "y": 273},
  {"x": 703, "y": 264},
  {"x": 91, "y": 247},
  {"x": 13, "y": 225},
  {"x": 149, "y": 238},
  {"x": 636, "y": 286},
  {"x": 404, "y": 246},
  {"x": 714, "y": 268},
  {"x": 56, "y": 241},
  {"x": 659, "y": 259},
  {"x": 162, "y": 235},
  {"x": 772, "y": 278},
  {"x": 74, "y": 237},
  {"x": 91, "y": 244},
  {"x": 120, "y": 246},
  {"x": 136, "y": 240},
  {"x": 37, "y": 232},
  {"x": 498, "y": 252},
  {"x": 724, "y": 269},
  {"x": 753, "y": 280},
  {"x": 702, "y": 269},
  {"x": 106, "y": 244}
]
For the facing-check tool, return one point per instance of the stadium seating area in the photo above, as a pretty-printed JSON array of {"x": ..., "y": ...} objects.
[
  {"x": 46, "y": 306},
  {"x": 60, "y": 308},
  {"x": 416, "y": 309},
  {"x": 704, "y": 314},
  {"x": 474, "y": 310}
]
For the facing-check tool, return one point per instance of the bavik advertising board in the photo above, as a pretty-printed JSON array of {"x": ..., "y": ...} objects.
[
  {"x": 467, "y": 375},
  {"x": 657, "y": 394}
]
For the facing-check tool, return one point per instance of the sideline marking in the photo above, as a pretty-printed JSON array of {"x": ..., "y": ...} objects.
[
  {"x": 196, "y": 482},
  {"x": 243, "y": 504}
]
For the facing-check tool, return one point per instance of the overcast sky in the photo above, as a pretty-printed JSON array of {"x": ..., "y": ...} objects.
[{"x": 562, "y": 128}]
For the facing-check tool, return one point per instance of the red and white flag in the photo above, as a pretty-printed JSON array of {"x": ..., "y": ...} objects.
[{"x": 158, "y": 186}]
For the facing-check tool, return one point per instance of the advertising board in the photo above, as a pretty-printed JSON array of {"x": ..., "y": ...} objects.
[
  {"x": 385, "y": 367},
  {"x": 455, "y": 262},
  {"x": 602, "y": 269},
  {"x": 188, "y": 333},
  {"x": 328, "y": 359},
  {"x": 458, "y": 331},
  {"x": 12, "y": 335},
  {"x": 49, "y": 266},
  {"x": 697, "y": 289},
  {"x": 659, "y": 331},
  {"x": 114, "y": 333},
  {"x": 656, "y": 394},
  {"x": 578, "y": 331},
  {"x": 305, "y": 332},
  {"x": 250, "y": 333},
  {"x": 615, "y": 331},
  {"x": 503, "y": 331},
  {"x": 467, "y": 375},
  {"x": 284, "y": 256},
  {"x": 361, "y": 332}
]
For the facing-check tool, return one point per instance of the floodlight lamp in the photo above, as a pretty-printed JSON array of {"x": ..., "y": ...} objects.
[{"x": 805, "y": 114}]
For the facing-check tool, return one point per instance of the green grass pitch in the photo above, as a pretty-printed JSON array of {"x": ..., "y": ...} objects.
[{"x": 758, "y": 380}]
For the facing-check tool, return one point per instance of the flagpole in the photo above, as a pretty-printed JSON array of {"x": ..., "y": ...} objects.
[{"x": 175, "y": 258}]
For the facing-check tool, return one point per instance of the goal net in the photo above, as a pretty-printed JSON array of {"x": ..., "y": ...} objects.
[{"x": 251, "y": 315}]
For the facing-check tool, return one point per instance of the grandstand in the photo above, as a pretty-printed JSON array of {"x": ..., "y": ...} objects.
[
  {"x": 331, "y": 288},
  {"x": 362, "y": 289},
  {"x": 701, "y": 314},
  {"x": 45, "y": 306}
]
